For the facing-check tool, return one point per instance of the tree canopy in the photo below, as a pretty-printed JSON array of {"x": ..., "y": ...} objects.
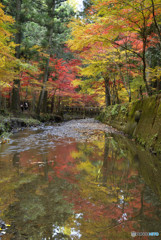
[{"x": 109, "y": 53}]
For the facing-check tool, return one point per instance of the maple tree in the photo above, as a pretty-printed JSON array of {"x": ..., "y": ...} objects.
[
  {"x": 112, "y": 56},
  {"x": 116, "y": 53},
  {"x": 7, "y": 50},
  {"x": 116, "y": 41},
  {"x": 60, "y": 79},
  {"x": 33, "y": 50}
]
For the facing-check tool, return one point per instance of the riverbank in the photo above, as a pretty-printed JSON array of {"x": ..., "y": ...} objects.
[
  {"x": 141, "y": 120},
  {"x": 9, "y": 124},
  {"x": 12, "y": 123}
]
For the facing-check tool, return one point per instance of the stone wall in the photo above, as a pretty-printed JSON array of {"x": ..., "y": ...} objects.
[{"x": 140, "y": 119}]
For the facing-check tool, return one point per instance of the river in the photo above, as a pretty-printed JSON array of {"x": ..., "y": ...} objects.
[{"x": 78, "y": 180}]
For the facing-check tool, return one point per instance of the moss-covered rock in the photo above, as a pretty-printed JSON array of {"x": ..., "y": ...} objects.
[
  {"x": 140, "y": 119},
  {"x": 7, "y": 124}
]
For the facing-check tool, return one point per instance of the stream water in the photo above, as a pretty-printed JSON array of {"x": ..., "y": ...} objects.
[{"x": 78, "y": 180}]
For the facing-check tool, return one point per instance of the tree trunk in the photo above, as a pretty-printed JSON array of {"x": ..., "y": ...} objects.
[
  {"x": 15, "y": 91},
  {"x": 155, "y": 22},
  {"x": 18, "y": 36},
  {"x": 107, "y": 91},
  {"x": 52, "y": 103},
  {"x": 33, "y": 101},
  {"x": 15, "y": 103},
  {"x": 128, "y": 77},
  {"x": 46, "y": 72},
  {"x": 144, "y": 39},
  {"x": 45, "y": 79},
  {"x": 44, "y": 104},
  {"x": 144, "y": 69},
  {"x": 0, "y": 99},
  {"x": 104, "y": 169},
  {"x": 116, "y": 92}
]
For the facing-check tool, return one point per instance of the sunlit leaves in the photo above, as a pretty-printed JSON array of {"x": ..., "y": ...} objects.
[{"x": 112, "y": 41}]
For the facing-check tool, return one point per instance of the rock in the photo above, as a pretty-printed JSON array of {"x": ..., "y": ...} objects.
[
  {"x": 138, "y": 115},
  {"x": 58, "y": 118}
]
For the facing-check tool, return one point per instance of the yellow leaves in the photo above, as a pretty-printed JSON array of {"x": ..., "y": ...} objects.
[
  {"x": 73, "y": 3},
  {"x": 77, "y": 154},
  {"x": 89, "y": 168},
  {"x": 123, "y": 94},
  {"x": 7, "y": 49},
  {"x": 2, "y": 62},
  {"x": 83, "y": 35},
  {"x": 155, "y": 73},
  {"x": 4, "y": 84},
  {"x": 76, "y": 82}
]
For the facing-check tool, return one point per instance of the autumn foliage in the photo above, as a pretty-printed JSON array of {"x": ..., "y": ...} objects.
[
  {"x": 112, "y": 55},
  {"x": 114, "y": 41},
  {"x": 7, "y": 50}
]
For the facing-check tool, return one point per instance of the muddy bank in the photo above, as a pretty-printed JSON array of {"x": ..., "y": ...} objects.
[
  {"x": 14, "y": 123},
  {"x": 9, "y": 124},
  {"x": 140, "y": 120}
]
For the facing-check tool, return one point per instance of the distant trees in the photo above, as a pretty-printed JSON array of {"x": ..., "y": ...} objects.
[
  {"x": 55, "y": 17},
  {"x": 113, "y": 48},
  {"x": 40, "y": 34}
]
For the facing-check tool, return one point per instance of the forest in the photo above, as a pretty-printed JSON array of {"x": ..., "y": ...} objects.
[
  {"x": 81, "y": 176},
  {"x": 53, "y": 55}
]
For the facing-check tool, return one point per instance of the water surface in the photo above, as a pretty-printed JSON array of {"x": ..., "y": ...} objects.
[{"x": 77, "y": 180}]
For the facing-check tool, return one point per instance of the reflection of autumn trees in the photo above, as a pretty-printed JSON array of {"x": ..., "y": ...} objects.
[
  {"x": 113, "y": 203},
  {"x": 40, "y": 202},
  {"x": 40, "y": 205},
  {"x": 93, "y": 187}
]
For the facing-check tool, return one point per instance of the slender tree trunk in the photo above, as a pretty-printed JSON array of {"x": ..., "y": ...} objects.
[
  {"x": 116, "y": 92},
  {"x": 18, "y": 36},
  {"x": 155, "y": 21},
  {"x": 144, "y": 33},
  {"x": 0, "y": 100},
  {"x": 45, "y": 79},
  {"x": 33, "y": 101},
  {"x": 107, "y": 92},
  {"x": 58, "y": 106},
  {"x": 53, "y": 103},
  {"x": 128, "y": 77},
  {"x": 46, "y": 73},
  {"x": 15, "y": 96},
  {"x": 5, "y": 103},
  {"x": 144, "y": 68},
  {"x": 105, "y": 162},
  {"x": 128, "y": 88},
  {"x": 15, "y": 91},
  {"x": 44, "y": 104}
]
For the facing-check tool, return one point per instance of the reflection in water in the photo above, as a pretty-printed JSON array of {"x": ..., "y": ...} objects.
[{"x": 102, "y": 188}]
